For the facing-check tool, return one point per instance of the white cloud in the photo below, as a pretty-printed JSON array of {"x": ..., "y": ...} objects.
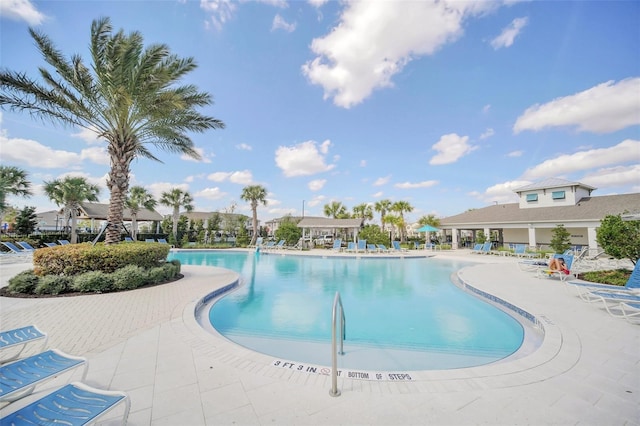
[
  {"x": 242, "y": 177},
  {"x": 378, "y": 194},
  {"x": 505, "y": 39},
  {"x": 211, "y": 193},
  {"x": 204, "y": 158},
  {"x": 100, "y": 181},
  {"x": 374, "y": 40},
  {"x": 382, "y": 181},
  {"x": 244, "y": 147},
  {"x": 317, "y": 185},
  {"x": 502, "y": 192},
  {"x": 423, "y": 184},
  {"x": 487, "y": 133},
  {"x": 34, "y": 154},
  {"x": 21, "y": 10},
  {"x": 627, "y": 151},
  {"x": 220, "y": 11},
  {"x": 514, "y": 154},
  {"x": 486, "y": 109},
  {"x": 280, "y": 24},
  {"x": 363, "y": 163},
  {"x": 88, "y": 135},
  {"x": 605, "y": 108},
  {"x": 450, "y": 149},
  {"x": 316, "y": 200},
  {"x": 96, "y": 154},
  {"x": 317, "y": 3},
  {"x": 614, "y": 177},
  {"x": 303, "y": 159}
]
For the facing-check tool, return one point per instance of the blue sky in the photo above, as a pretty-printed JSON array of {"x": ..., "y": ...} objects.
[{"x": 447, "y": 105}]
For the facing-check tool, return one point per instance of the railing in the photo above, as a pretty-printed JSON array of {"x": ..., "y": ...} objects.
[{"x": 337, "y": 303}]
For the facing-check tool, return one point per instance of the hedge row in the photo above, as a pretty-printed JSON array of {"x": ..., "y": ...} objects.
[
  {"x": 74, "y": 259},
  {"x": 127, "y": 278}
]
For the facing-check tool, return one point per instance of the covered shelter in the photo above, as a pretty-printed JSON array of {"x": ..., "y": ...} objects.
[
  {"x": 318, "y": 225},
  {"x": 99, "y": 212}
]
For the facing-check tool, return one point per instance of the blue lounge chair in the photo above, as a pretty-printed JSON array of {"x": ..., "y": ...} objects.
[
  {"x": 51, "y": 244},
  {"x": 19, "y": 378},
  {"x": 337, "y": 245},
  {"x": 548, "y": 273},
  {"x": 64, "y": 242},
  {"x": 362, "y": 246},
  {"x": 149, "y": 240},
  {"x": 351, "y": 247},
  {"x": 279, "y": 245},
  {"x": 128, "y": 239},
  {"x": 73, "y": 404},
  {"x": 382, "y": 248},
  {"x": 630, "y": 310},
  {"x": 269, "y": 245},
  {"x": 26, "y": 246},
  {"x": 14, "y": 249},
  {"x": 371, "y": 248},
  {"x": 22, "y": 337},
  {"x": 397, "y": 247},
  {"x": 585, "y": 288},
  {"x": 162, "y": 241},
  {"x": 476, "y": 248},
  {"x": 257, "y": 244},
  {"x": 613, "y": 300}
]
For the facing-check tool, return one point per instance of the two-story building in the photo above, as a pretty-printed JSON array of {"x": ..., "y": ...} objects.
[{"x": 542, "y": 207}]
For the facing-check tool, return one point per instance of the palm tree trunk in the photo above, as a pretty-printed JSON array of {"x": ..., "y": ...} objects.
[
  {"x": 176, "y": 217},
  {"x": 74, "y": 224},
  {"x": 134, "y": 226},
  {"x": 118, "y": 184},
  {"x": 254, "y": 223}
]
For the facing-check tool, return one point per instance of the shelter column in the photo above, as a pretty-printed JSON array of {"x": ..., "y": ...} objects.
[
  {"x": 532, "y": 236},
  {"x": 454, "y": 238},
  {"x": 591, "y": 237}
]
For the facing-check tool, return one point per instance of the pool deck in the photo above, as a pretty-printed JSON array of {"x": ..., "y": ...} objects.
[{"x": 148, "y": 343}]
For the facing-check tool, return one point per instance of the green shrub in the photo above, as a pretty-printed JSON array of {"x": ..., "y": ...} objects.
[
  {"x": 614, "y": 277},
  {"x": 53, "y": 284},
  {"x": 129, "y": 277},
  {"x": 24, "y": 282},
  {"x": 177, "y": 264},
  {"x": 94, "y": 281},
  {"x": 157, "y": 275},
  {"x": 74, "y": 259}
]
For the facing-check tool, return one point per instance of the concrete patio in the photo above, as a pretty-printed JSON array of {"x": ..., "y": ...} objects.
[{"x": 148, "y": 343}]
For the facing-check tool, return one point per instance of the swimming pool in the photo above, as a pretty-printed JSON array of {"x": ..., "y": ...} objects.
[{"x": 401, "y": 314}]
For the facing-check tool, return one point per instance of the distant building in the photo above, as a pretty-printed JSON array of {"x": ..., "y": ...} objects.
[
  {"x": 225, "y": 219},
  {"x": 542, "y": 206}
]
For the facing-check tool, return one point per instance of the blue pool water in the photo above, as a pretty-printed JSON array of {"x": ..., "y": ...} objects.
[{"x": 395, "y": 309}]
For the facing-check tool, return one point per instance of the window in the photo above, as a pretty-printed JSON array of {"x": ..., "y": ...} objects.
[
  {"x": 557, "y": 195},
  {"x": 532, "y": 197}
]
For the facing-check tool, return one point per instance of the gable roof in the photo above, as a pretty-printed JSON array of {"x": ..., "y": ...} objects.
[
  {"x": 551, "y": 183},
  {"x": 587, "y": 209},
  {"x": 325, "y": 222},
  {"x": 100, "y": 211}
]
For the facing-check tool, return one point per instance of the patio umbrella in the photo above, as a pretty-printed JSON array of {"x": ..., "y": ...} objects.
[{"x": 427, "y": 229}]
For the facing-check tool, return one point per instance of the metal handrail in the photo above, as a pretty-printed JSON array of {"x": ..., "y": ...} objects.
[{"x": 337, "y": 302}]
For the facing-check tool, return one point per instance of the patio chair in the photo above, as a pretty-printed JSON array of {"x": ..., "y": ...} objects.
[
  {"x": 614, "y": 300},
  {"x": 486, "y": 248},
  {"x": 14, "y": 249},
  {"x": 362, "y": 246},
  {"x": 563, "y": 275},
  {"x": 64, "y": 242},
  {"x": 73, "y": 404},
  {"x": 51, "y": 244},
  {"x": 162, "y": 241},
  {"x": 128, "y": 239},
  {"x": 25, "y": 246},
  {"x": 337, "y": 245},
  {"x": 397, "y": 247},
  {"x": 257, "y": 244},
  {"x": 19, "y": 378},
  {"x": 382, "y": 248},
  {"x": 371, "y": 248},
  {"x": 149, "y": 240},
  {"x": 20, "y": 338},
  {"x": 630, "y": 310},
  {"x": 476, "y": 248},
  {"x": 351, "y": 247},
  {"x": 269, "y": 245},
  {"x": 279, "y": 245},
  {"x": 585, "y": 288}
]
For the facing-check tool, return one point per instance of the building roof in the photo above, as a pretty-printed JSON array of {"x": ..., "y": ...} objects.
[
  {"x": 551, "y": 183},
  {"x": 587, "y": 209},
  {"x": 100, "y": 211},
  {"x": 325, "y": 222}
]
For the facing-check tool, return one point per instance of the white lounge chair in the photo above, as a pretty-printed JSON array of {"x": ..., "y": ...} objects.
[
  {"x": 19, "y": 378},
  {"x": 20, "y": 338},
  {"x": 563, "y": 275},
  {"x": 630, "y": 310},
  {"x": 73, "y": 404}
]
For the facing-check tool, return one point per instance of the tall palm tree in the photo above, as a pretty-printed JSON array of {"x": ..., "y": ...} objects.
[
  {"x": 363, "y": 211},
  {"x": 176, "y": 198},
  {"x": 13, "y": 181},
  {"x": 429, "y": 220},
  {"x": 254, "y": 194},
  {"x": 402, "y": 207},
  {"x": 70, "y": 193},
  {"x": 139, "y": 198},
  {"x": 382, "y": 207},
  {"x": 334, "y": 209},
  {"x": 395, "y": 222},
  {"x": 129, "y": 96}
]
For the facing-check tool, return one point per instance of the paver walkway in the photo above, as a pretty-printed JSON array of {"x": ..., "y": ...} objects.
[{"x": 148, "y": 343}]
